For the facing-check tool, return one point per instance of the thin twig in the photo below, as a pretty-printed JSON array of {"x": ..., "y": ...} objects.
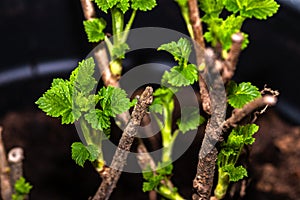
[
  {"x": 15, "y": 160},
  {"x": 203, "y": 181},
  {"x": 5, "y": 186},
  {"x": 195, "y": 20},
  {"x": 229, "y": 65},
  {"x": 119, "y": 159},
  {"x": 238, "y": 114},
  {"x": 88, "y": 9}
]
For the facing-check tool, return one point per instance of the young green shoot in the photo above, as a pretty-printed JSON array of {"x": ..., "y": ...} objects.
[{"x": 74, "y": 100}]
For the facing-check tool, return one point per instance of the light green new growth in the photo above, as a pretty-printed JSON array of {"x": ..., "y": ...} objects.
[
  {"x": 182, "y": 75},
  {"x": 22, "y": 188},
  {"x": 94, "y": 29},
  {"x": 240, "y": 95},
  {"x": 75, "y": 99},
  {"x": 220, "y": 30},
  {"x": 229, "y": 155}
]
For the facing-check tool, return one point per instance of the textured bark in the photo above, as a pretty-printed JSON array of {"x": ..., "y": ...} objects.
[
  {"x": 88, "y": 9},
  {"x": 5, "y": 186},
  {"x": 15, "y": 160},
  {"x": 229, "y": 65},
  {"x": 203, "y": 180},
  {"x": 238, "y": 114},
  {"x": 196, "y": 22},
  {"x": 112, "y": 175}
]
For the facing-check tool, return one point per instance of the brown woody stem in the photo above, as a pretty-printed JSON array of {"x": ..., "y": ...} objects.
[
  {"x": 229, "y": 65},
  {"x": 203, "y": 181},
  {"x": 195, "y": 20},
  {"x": 15, "y": 158},
  {"x": 238, "y": 114},
  {"x": 5, "y": 184},
  {"x": 119, "y": 160},
  {"x": 88, "y": 9}
]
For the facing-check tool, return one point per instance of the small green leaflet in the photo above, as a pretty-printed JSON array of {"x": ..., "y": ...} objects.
[
  {"x": 22, "y": 188},
  {"x": 190, "y": 119},
  {"x": 212, "y": 8},
  {"x": 98, "y": 119},
  {"x": 82, "y": 153},
  {"x": 143, "y": 5},
  {"x": 57, "y": 101},
  {"x": 235, "y": 173},
  {"x": 104, "y": 5},
  {"x": 246, "y": 132},
  {"x": 260, "y": 9},
  {"x": 67, "y": 98},
  {"x": 181, "y": 50},
  {"x": 153, "y": 180},
  {"x": 84, "y": 80},
  {"x": 220, "y": 30},
  {"x": 182, "y": 76},
  {"x": 94, "y": 29},
  {"x": 240, "y": 95},
  {"x": 123, "y": 5},
  {"x": 114, "y": 101}
]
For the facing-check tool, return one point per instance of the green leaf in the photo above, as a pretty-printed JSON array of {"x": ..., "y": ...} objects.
[
  {"x": 123, "y": 5},
  {"x": 231, "y": 5},
  {"x": 114, "y": 101},
  {"x": 82, "y": 78},
  {"x": 235, "y": 173},
  {"x": 220, "y": 30},
  {"x": 156, "y": 106},
  {"x": 82, "y": 153},
  {"x": 104, "y": 5},
  {"x": 22, "y": 187},
  {"x": 260, "y": 9},
  {"x": 98, "y": 119},
  {"x": 212, "y": 8},
  {"x": 164, "y": 169},
  {"x": 143, "y": 5},
  {"x": 94, "y": 29},
  {"x": 247, "y": 132},
  {"x": 190, "y": 119},
  {"x": 182, "y": 76},
  {"x": 152, "y": 183},
  {"x": 58, "y": 102},
  {"x": 181, "y": 50},
  {"x": 240, "y": 95}
]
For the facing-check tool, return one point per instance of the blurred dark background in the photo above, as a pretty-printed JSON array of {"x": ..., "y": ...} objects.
[{"x": 42, "y": 37}]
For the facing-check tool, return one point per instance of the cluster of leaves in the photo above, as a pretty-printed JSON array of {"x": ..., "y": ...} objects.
[
  {"x": 74, "y": 99},
  {"x": 154, "y": 178},
  {"x": 231, "y": 149},
  {"x": 22, "y": 188},
  {"x": 182, "y": 75},
  {"x": 95, "y": 27},
  {"x": 220, "y": 30}
]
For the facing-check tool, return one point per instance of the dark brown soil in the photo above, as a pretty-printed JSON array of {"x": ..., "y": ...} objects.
[{"x": 274, "y": 161}]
